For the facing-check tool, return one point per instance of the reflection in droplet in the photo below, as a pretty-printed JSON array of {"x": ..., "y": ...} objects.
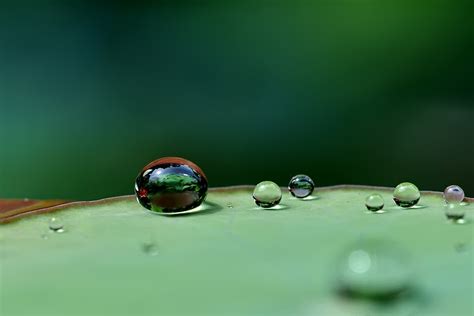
[
  {"x": 267, "y": 194},
  {"x": 171, "y": 185},
  {"x": 374, "y": 202},
  {"x": 406, "y": 195},
  {"x": 453, "y": 194},
  {"x": 301, "y": 186}
]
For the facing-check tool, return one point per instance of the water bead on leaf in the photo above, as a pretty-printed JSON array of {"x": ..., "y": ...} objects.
[
  {"x": 374, "y": 202},
  {"x": 171, "y": 185},
  {"x": 374, "y": 269},
  {"x": 56, "y": 225},
  {"x": 453, "y": 194},
  {"x": 267, "y": 194},
  {"x": 301, "y": 186},
  {"x": 406, "y": 194}
]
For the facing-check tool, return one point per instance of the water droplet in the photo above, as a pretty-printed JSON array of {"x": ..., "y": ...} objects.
[
  {"x": 230, "y": 205},
  {"x": 44, "y": 236},
  {"x": 26, "y": 200},
  {"x": 56, "y": 225},
  {"x": 461, "y": 247},
  {"x": 374, "y": 269},
  {"x": 453, "y": 194},
  {"x": 171, "y": 185},
  {"x": 455, "y": 213},
  {"x": 150, "y": 248},
  {"x": 374, "y": 202},
  {"x": 267, "y": 194},
  {"x": 406, "y": 194},
  {"x": 301, "y": 186}
]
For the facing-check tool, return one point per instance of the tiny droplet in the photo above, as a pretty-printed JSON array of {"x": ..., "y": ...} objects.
[{"x": 56, "y": 225}]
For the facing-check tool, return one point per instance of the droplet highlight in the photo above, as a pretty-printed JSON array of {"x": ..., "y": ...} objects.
[
  {"x": 406, "y": 195},
  {"x": 301, "y": 186},
  {"x": 267, "y": 194}
]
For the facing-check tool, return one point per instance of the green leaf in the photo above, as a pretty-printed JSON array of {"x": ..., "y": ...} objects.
[{"x": 232, "y": 258}]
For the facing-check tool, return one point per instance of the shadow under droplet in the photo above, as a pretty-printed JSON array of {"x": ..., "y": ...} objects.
[
  {"x": 414, "y": 207},
  {"x": 457, "y": 220},
  {"x": 375, "y": 212},
  {"x": 308, "y": 198},
  {"x": 205, "y": 208},
  {"x": 278, "y": 207},
  {"x": 384, "y": 298}
]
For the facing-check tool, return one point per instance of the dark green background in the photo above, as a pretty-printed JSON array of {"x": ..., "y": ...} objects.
[{"x": 346, "y": 91}]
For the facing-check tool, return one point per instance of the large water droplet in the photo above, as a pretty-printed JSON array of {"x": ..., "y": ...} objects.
[
  {"x": 301, "y": 186},
  {"x": 374, "y": 202},
  {"x": 267, "y": 194},
  {"x": 56, "y": 225},
  {"x": 171, "y": 185},
  {"x": 406, "y": 194},
  {"x": 453, "y": 194},
  {"x": 373, "y": 269}
]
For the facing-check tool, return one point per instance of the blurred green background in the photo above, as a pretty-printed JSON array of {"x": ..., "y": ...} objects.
[{"x": 364, "y": 92}]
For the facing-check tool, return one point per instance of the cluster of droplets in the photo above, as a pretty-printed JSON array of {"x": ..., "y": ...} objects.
[
  {"x": 407, "y": 195},
  {"x": 267, "y": 194},
  {"x": 173, "y": 185}
]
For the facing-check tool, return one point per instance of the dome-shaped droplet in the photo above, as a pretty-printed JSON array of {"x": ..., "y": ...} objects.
[
  {"x": 150, "y": 248},
  {"x": 374, "y": 202},
  {"x": 455, "y": 212},
  {"x": 406, "y": 194},
  {"x": 373, "y": 268},
  {"x": 56, "y": 225},
  {"x": 453, "y": 194},
  {"x": 301, "y": 186},
  {"x": 267, "y": 194},
  {"x": 171, "y": 185}
]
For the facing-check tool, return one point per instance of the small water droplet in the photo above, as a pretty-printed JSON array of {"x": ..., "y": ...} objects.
[
  {"x": 460, "y": 247},
  {"x": 44, "y": 236},
  {"x": 455, "y": 213},
  {"x": 373, "y": 269},
  {"x": 56, "y": 225},
  {"x": 230, "y": 205},
  {"x": 406, "y": 195},
  {"x": 26, "y": 199},
  {"x": 374, "y": 202},
  {"x": 453, "y": 194},
  {"x": 171, "y": 185},
  {"x": 150, "y": 248},
  {"x": 267, "y": 194},
  {"x": 301, "y": 186}
]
